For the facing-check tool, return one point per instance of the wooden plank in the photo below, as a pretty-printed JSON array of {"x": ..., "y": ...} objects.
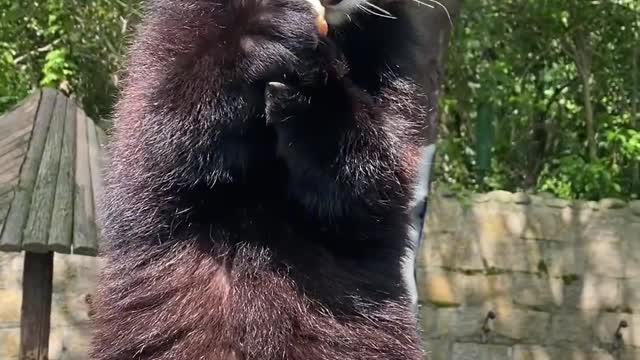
[
  {"x": 11, "y": 154},
  {"x": 95, "y": 158},
  {"x": 10, "y": 168},
  {"x": 5, "y": 188},
  {"x": 10, "y": 137},
  {"x": 10, "y": 178},
  {"x": 84, "y": 229},
  {"x": 13, "y": 166},
  {"x": 15, "y": 140},
  {"x": 5, "y": 201},
  {"x": 12, "y": 160},
  {"x": 13, "y": 146},
  {"x": 11, "y": 239},
  {"x": 101, "y": 163},
  {"x": 61, "y": 234},
  {"x": 11, "y": 120},
  {"x": 36, "y": 306},
  {"x": 21, "y": 115},
  {"x": 102, "y": 140},
  {"x": 36, "y": 231},
  {"x": 5, "y": 204},
  {"x": 95, "y": 162},
  {"x": 12, "y": 123}
]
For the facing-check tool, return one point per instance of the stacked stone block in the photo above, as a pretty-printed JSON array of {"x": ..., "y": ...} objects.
[{"x": 560, "y": 278}]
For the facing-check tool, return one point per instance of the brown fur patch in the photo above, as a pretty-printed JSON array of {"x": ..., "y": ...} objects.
[{"x": 192, "y": 303}]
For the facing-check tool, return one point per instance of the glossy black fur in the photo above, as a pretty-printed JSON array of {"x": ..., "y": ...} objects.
[{"x": 256, "y": 197}]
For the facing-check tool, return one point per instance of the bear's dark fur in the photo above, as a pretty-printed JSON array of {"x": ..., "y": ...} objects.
[{"x": 257, "y": 188}]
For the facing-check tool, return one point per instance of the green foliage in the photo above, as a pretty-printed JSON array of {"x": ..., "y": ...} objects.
[
  {"x": 562, "y": 79},
  {"x": 13, "y": 82},
  {"x": 558, "y": 80},
  {"x": 573, "y": 176},
  {"x": 73, "y": 45},
  {"x": 58, "y": 68}
]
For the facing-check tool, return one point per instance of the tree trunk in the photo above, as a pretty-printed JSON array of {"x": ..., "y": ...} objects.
[
  {"x": 539, "y": 135},
  {"x": 635, "y": 115},
  {"x": 588, "y": 110},
  {"x": 583, "y": 55},
  {"x": 582, "y": 59}
]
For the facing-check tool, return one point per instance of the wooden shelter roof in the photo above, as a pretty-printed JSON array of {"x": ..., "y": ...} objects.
[{"x": 50, "y": 161}]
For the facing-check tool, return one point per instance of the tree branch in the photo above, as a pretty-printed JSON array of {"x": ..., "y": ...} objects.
[{"x": 42, "y": 49}]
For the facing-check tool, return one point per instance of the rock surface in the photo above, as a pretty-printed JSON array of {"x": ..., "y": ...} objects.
[{"x": 559, "y": 275}]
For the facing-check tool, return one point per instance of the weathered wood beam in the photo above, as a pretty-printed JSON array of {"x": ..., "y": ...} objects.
[
  {"x": 36, "y": 232},
  {"x": 5, "y": 203},
  {"x": 61, "y": 234},
  {"x": 15, "y": 140},
  {"x": 36, "y": 306},
  {"x": 12, "y": 160},
  {"x": 84, "y": 230},
  {"x": 11, "y": 239}
]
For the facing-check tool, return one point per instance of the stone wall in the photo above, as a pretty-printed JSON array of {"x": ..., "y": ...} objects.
[
  {"x": 73, "y": 279},
  {"x": 559, "y": 277}
]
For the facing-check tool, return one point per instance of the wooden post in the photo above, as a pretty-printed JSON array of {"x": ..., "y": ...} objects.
[{"x": 36, "y": 306}]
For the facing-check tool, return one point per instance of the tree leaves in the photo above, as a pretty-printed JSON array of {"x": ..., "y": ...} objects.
[
  {"x": 72, "y": 45},
  {"x": 558, "y": 74},
  {"x": 524, "y": 58}
]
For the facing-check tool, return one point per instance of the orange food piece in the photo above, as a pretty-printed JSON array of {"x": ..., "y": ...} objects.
[
  {"x": 321, "y": 22},
  {"x": 323, "y": 27}
]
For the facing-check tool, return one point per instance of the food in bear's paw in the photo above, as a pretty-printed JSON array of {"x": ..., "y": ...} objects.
[{"x": 321, "y": 22}]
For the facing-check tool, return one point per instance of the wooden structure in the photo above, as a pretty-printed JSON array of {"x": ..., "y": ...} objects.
[{"x": 50, "y": 160}]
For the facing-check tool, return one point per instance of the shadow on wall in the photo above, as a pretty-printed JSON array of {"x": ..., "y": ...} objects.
[{"x": 562, "y": 278}]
